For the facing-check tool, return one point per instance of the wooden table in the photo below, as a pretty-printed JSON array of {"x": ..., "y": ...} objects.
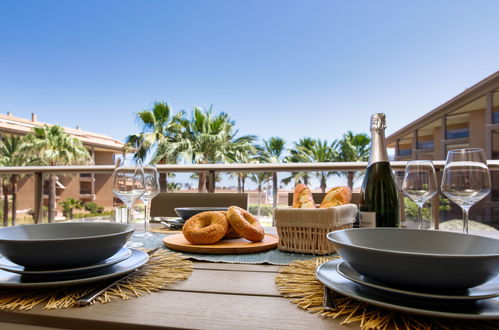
[{"x": 216, "y": 296}]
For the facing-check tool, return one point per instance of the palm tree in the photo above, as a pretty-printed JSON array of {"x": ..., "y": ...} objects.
[
  {"x": 69, "y": 204},
  {"x": 205, "y": 139},
  {"x": 54, "y": 147},
  {"x": 260, "y": 178},
  {"x": 243, "y": 153},
  {"x": 272, "y": 152},
  {"x": 296, "y": 157},
  {"x": 158, "y": 126},
  {"x": 11, "y": 154},
  {"x": 353, "y": 148},
  {"x": 318, "y": 151}
]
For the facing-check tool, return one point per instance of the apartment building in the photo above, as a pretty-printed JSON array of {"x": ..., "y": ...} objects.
[
  {"x": 84, "y": 186},
  {"x": 470, "y": 119}
]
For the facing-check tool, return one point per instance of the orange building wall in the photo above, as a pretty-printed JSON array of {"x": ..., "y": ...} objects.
[{"x": 477, "y": 128}]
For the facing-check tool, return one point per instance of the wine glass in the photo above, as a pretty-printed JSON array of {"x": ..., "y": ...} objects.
[
  {"x": 151, "y": 184},
  {"x": 128, "y": 182},
  {"x": 466, "y": 179},
  {"x": 420, "y": 184}
]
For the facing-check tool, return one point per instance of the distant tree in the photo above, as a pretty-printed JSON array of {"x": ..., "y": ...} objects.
[
  {"x": 318, "y": 151},
  {"x": 206, "y": 138},
  {"x": 273, "y": 151},
  {"x": 54, "y": 147},
  {"x": 295, "y": 156},
  {"x": 353, "y": 148},
  {"x": 173, "y": 186},
  {"x": 260, "y": 178},
  {"x": 69, "y": 205},
  {"x": 11, "y": 154},
  {"x": 159, "y": 125}
]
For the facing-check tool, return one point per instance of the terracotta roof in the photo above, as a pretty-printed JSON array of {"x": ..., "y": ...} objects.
[{"x": 16, "y": 125}]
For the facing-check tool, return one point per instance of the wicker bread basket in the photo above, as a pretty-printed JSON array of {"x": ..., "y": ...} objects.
[{"x": 305, "y": 230}]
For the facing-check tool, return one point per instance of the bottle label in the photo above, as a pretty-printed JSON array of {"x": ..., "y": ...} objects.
[{"x": 367, "y": 219}]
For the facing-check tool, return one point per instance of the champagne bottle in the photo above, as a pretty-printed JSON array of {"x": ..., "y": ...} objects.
[{"x": 379, "y": 199}]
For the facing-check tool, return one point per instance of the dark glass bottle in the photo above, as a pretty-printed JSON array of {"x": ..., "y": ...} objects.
[{"x": 379, "y": 199}]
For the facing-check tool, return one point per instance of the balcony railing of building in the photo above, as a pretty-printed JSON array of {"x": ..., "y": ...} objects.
[{"x": 212, "y": 169}]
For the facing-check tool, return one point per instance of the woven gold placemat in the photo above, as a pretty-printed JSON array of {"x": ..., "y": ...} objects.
[
  {"x": 298, "y": 282},
  {"x": 163, "y": 268},
  {"x": 164, "y": 230}
]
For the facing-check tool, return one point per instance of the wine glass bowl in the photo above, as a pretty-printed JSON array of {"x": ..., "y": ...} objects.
[
  {"x": 420, "y": 184},
  {"x": 466, "y": 179},
  {"x": 128, "y": 182},
  {"x": 151, "y": 190}
]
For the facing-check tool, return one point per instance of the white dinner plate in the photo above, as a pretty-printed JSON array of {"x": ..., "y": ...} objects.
[
  {"x": 463, "y": 309},
  {"x": 9, "y": 266},
  {"x": 136, "y": 260},
  {"x": 487, "y": 290}
]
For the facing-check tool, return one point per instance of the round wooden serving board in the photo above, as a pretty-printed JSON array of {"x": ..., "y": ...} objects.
[{"x": 225, "y": 246}]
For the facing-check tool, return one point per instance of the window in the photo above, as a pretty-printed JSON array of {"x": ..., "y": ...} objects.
[
  {"x": 425, "y": 144},
  {"x": 457, "y": 126},
  {"x": 458, "y": 133},
  {"x": 405, "y": 146},
  {"x": 495, "y": 107},
  {"x": 405, "y": 152}
]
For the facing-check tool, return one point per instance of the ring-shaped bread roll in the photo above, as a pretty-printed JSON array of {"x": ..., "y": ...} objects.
[
  {"x": 205, "y": 227},
  {"x": 245, "y": 224},
  {"x": 231, "y": 233}
]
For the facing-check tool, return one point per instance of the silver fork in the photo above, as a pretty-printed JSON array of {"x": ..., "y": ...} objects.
[
  {"x": 89, "y": 297},
  {"x": 328, "y": 303}
]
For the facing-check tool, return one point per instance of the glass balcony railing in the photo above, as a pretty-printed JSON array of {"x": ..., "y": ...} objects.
[{"x": 103, "y": 194}]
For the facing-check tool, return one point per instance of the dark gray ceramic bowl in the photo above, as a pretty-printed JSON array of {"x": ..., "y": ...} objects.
[
  {"x": 63, "y": 245},
  {"x": 186, "y": 212},
  {"x": 419, "y": 258}
]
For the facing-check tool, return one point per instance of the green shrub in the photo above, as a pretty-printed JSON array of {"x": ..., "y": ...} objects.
[
  {"x": 91, "y": 207},
  {"x": 411, "y": 208},
  {"x": 93, "y": 214},
  {"x": 265, "y": 210}
]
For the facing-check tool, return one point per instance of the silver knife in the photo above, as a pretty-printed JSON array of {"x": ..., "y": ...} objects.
[{"x": 87, "y": 299}]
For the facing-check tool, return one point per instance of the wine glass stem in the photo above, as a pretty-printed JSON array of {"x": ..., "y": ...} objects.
[
  {"x": 128, "y": 215},
  {"x": 465, "y": 220},
  {"x": 146, "y": 218},
  {"x": 420, "y": 216}
]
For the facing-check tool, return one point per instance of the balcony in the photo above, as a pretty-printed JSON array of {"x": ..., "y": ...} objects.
[{"x": 212, "y": 170}]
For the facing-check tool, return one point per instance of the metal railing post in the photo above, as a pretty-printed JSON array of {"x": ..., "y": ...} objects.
[{"x": 38, "y": 211}]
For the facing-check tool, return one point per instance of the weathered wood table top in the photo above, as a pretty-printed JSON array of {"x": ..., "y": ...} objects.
[{"x": 216, "y": 296}]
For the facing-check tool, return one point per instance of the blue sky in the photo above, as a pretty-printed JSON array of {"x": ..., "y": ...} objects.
[{"x": 281, "y": 68}]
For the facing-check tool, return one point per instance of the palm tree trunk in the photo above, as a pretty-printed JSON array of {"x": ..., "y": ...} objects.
[
  {"x": 274, "y": 189},
  {"x": 323, "y": 183},
  {"x": 162, "y": 182},
  {"x": 350, "y": 176},
  {"x": 52, "y": 195},
  {"x": 239, "y": 185},
  {"x": 201, "y": 182},
  {"x": 259, "y": 199},
  {"x": 5, "y": 189},
  {"x": 14, "y": 180},
  {"x": 243, "y": 183}
]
